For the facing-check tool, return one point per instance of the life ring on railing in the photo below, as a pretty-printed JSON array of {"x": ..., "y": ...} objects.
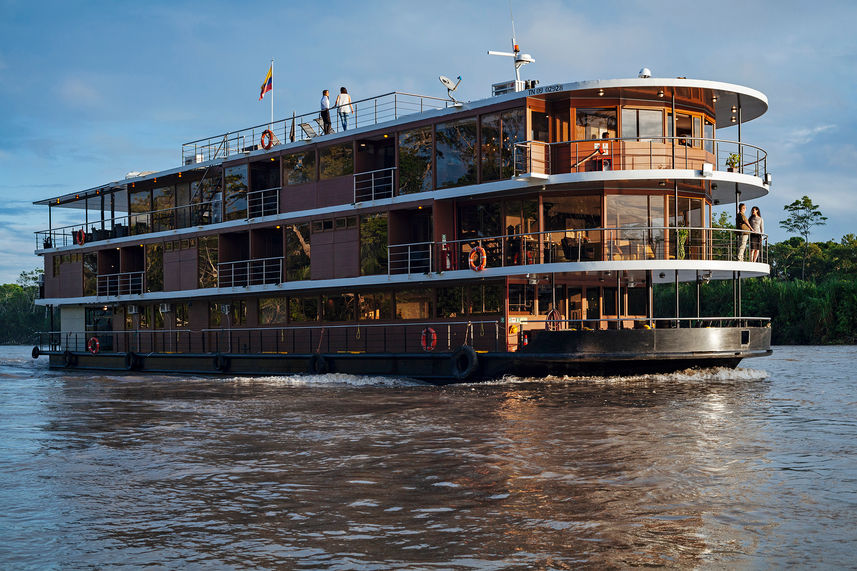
[
  {"x": 464, "y": 362},
  {"x": 428, "y": 339},
  {"x": 93, "y": 346},
  {"x": 478, "y": 259},
  {"x": 80, "y": 237},
  {"x": 267, "y": 139}
]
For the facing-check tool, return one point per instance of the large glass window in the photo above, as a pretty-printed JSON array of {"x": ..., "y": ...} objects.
[
  {"x": 643, "y": 124},
  {"x": 335, "y": 160},
  {"x": 485, "y": 298},
  {"x": 373, "y": 244},
  {"x": 539, "y": 126},
  {"x": 273, "y": 310},
  {"x": 595, "y": 124},
  {"x": 297, "y": 252},
  {"x": 708, "y": 133},
  {"x": 414, "y": 304},
  {"x": 206, "y": 199},
  {"x": 455, "y": 152},
  {"x": 141, "y": 205},
  {"x": 207, "y": 261},
  {"x": 500, "y": 132},
  {"x": 90, "y": 273},
  {"x": 415, "y": 160},
  {"x": 303, "y": 309},
  {"x": 376, "y": 305},
  {"x": 686, "y": 243},
  {"x": 154, "y": 267},
  {"x": 235, "y": 199},
  {"x": 162, "y": 203},
  {"x": 299, "y": 168},
  {"x": 338, "y": 307},
  {"x": 450, "y": 301}
]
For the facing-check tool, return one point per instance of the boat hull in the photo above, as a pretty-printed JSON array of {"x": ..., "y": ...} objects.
[{"x": 602, "y": 353}]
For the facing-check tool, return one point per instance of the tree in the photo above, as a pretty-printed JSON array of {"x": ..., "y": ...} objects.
[{"x": 803, "y": 215}]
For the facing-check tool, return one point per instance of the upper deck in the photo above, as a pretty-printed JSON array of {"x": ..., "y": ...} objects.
[{"x": 407, "y": 147}]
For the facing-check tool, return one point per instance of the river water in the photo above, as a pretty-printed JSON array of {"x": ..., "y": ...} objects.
[{"x": 754, "y": 467}]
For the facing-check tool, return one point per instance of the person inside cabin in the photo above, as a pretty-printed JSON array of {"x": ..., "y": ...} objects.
[
  {"x": 344, "y": 107},
  {"x": 742, "y": 224},
  {"x": 325, "y": 112},
  {"x": 513, "y": 246}
]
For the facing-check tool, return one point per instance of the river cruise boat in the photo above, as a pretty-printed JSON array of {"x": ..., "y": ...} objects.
[{"x": 523, "y": 234}]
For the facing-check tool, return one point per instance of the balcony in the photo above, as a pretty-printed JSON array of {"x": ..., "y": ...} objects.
[
  {"x": 199, "y": 214},
  {"x": 576, "y": 245},
  {"x": 539, "y": 159},
  {"x": 374, "y": 185},
  {"x": 126, "y": 283},
  {"x": 250, "y": 272}
]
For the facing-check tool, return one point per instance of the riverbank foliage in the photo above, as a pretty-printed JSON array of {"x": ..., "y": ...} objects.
[{"x": 20, "y": 318}]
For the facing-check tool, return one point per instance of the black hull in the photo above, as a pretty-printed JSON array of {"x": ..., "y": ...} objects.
[{"x": 575, "y": 353}]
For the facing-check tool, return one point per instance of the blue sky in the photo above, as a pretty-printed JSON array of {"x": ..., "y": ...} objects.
[{"x": 92, "y": 90}]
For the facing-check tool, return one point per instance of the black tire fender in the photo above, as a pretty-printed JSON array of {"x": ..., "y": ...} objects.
[
  {"x": 318, "y": 365},
  {"x": 464, "y": 362},
  {"x": 35, "y": 353}
]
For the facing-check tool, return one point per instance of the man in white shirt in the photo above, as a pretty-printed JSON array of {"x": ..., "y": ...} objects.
[{"x": 325, "y": 111}]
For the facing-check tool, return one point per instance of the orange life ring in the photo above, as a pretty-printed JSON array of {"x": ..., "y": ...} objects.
[
  {"x": 93, "y": 345},
  {"x": 428, "y": 339},
  {"x": 81, "y": 237},
  {"x": 269, "y": 135},
  {"x": 478, "y": 259}
]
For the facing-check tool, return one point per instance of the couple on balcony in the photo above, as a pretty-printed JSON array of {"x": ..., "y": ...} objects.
[{"x": 751, "y": 231}]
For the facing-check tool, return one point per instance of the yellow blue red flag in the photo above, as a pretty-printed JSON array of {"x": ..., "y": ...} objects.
[{"x": 268, "y": 84}]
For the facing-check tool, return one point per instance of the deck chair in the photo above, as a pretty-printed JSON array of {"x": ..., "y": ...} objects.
[
  {"x": 320, "y": 124},
  {"x": 308, "y": 130}
]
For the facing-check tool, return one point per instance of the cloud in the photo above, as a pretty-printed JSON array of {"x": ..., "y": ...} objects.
[
  {"x": 80, "y": 93},
  {"x": 804, "y": 136}
]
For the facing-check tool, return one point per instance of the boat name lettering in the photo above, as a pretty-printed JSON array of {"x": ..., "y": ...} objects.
[{"x": 546, "y": 89}]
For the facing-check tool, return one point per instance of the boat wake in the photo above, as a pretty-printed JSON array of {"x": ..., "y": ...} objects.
[{"x": 709, "y": 375}]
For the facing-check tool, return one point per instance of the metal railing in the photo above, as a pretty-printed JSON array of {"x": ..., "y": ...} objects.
[
  {"x": 264, "y": 202},
  {"x": 198, "y": 214},
  {"x": 125, "y": 283},
  {"x": 360, "y": 337},
  {"x": 582, "y": 245},
  {"x": 540, "y": 158},
  {"x": 370, "y": 111},
  {"x": 374, "y": 185},
  {"x": 250, "y": 272}
]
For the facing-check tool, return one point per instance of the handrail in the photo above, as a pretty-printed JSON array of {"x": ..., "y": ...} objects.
[
  {"x": 375, "y": 184},
  {"x": 122, "y": 283},
  {"x": 264, "y": 202},
  {"x": 580, "y": 245},
  {"x": 258, "y": 271},
  {"x": 368, "y": 111},
  {"x": 623, "y": 153}
]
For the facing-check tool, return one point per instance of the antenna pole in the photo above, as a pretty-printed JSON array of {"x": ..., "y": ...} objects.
[{"x": 271, "y": 126}]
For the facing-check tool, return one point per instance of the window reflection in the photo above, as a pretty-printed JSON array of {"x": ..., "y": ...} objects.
[
  {"x": 455, "y": 152},
  {"x": 415, "y": 148},
  {"x": 235, "y": 196},
  {"x": 500, "y": 132},
  {"x": 299, "y": 168},
  {"x": 595, "y": 124},
  {"x": 335, "y": 160}
]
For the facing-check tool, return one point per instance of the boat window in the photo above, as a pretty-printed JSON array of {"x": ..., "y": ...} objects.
[
  {"x": 610, "y": 294},
  {"x": 539, "y": 126},
  {"x": 335, "y": 160},
  {"x": 485, "y": 298},
  {"x": 214, "y": 315},
  {"x": 299, "y": 168},
  {"x": 154, "y": 267},
  {"x": 572, "y": 212},
  {"x": 238, "y": 312},
  {"x": 183, "y": 200},
  {"x": 338, "y": 307},
  {"x": 500, "y": 133},
  {"x": 479, "y": 220},
  {"x": 521, "y": 298},
  {"x": 643, "y": 124},
  {"x": 303, "y": 309},
  {"x": 455, "y": 152},
  {"x": 235, "y": 195},
  {"x": 140, "y": 202},
  {"x": 145, "y": 316},
  {"x": 273, "y": 310},
  {"x": 182, "y": 315},
  {"x": 207, "y": 260},
  {"x": 162, "y": 203},
  {"x": 414, "y": 304},
  {"x": 376, "y": 305},
  {"x": 415, "y": 148},
  {"x": 205, "y": 195},
  {"x": 450, "y": 302},
  {"x": 708, "y": 134},
  {"x": 297, "y": 252},
  {"x": 373, "y": 244},
  {"x": 90, "y": 273},
  {"x": 595, "y": 124},
  {"x": 637, "y": 297},
  {"x": 593, "y": 303},
  {"x": 546, "y": 299}
]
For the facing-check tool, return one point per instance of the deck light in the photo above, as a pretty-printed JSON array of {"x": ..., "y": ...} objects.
[
  {"x": 180, "y": 174},
  {"x": 714, "y": 98},
  {"x": 660, "y": 93},
  {"x": 733, "y": 119},
  {"x": 600, "y": 92},
  {"x": 734, "y": 109},
  {"x": 386, "y": 135}
]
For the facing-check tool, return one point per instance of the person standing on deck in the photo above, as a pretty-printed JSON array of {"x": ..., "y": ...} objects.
[
  {"x": 325, "y": 112},
  {"x": 742, "y": 224},
  {"x": 344, "y": 107}
]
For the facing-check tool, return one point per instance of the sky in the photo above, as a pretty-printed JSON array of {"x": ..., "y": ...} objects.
[{"x": 92, "y": 90}]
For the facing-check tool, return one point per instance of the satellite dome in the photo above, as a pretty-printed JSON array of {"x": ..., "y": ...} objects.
[{"x": 645, "y": 72}]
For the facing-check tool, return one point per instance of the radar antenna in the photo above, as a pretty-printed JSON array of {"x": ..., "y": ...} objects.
[
  {"x": 520, "y": 58},
  {"x": 450, "y": 86}
]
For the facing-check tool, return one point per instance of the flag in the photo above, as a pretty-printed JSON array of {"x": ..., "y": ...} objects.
[
  {"x": 292, "y": 132},
  {"x": 268, "y": 85}
]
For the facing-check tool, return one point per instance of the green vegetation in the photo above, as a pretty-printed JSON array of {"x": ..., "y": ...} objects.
[{"x": 20, "y": 318}]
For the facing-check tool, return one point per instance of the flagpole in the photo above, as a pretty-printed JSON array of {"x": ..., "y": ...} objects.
[{"x": 272, "y": 96}]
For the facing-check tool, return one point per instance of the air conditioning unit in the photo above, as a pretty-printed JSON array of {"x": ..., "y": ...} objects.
[
  {"x": 165, "y": 308},
  {"x": 132, "y": 309}
]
